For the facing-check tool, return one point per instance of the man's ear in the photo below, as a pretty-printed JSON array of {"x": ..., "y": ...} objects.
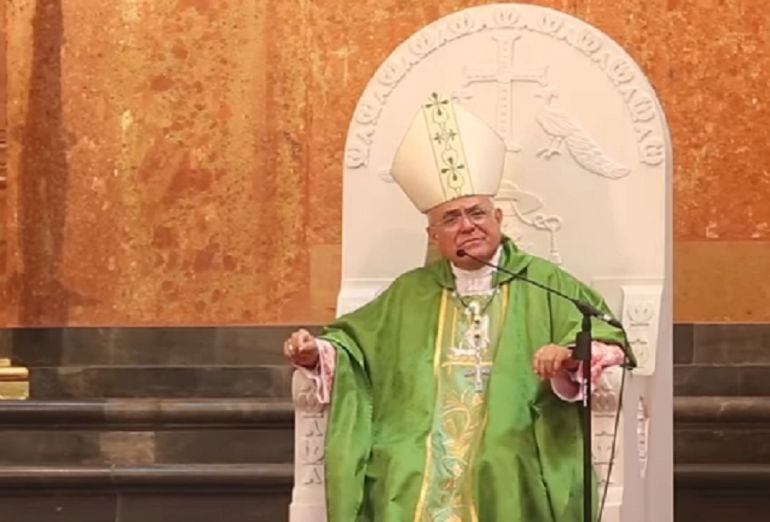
[
  {"x": 432, "y": 235},
  {"x": 499, "y": 216}
]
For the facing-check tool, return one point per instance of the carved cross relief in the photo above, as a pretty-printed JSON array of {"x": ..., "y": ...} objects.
[{"x": 505, "y": 75}]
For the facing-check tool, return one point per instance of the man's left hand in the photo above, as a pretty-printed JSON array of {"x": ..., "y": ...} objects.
[{"x": 551, "y": 358}]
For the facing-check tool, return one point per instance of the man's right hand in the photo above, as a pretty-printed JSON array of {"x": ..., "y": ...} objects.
[
  {"x": 301, "y": 349},
  {"x": 550, "y": 359}
]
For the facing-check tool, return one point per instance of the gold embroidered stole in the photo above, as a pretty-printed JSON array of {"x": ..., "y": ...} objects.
[{"x": 468, "y": 333}]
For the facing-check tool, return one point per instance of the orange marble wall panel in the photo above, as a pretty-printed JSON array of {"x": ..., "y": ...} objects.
[
  {"x": 179, "y": 161},
  {"x": 722, "y": 282},
  {"x": 3, "y": 142}
]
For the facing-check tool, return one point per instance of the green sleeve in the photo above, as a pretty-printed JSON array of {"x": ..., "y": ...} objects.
[{"x": 349, "y": 430}]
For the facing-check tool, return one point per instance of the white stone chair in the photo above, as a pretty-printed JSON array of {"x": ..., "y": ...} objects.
[{"x": 587, "y": 185}]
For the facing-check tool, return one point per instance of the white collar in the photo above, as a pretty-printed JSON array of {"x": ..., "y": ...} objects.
[{"x": 475, "y": 281}]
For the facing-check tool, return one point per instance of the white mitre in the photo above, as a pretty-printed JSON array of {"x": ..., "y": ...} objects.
[{"x": 447, "y": 153}]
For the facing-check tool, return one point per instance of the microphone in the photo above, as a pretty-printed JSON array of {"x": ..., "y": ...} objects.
[{"x": 584, "y": 307}]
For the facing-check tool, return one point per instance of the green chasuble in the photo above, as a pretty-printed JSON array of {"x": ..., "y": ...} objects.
[{"x": 432, "y": 421}]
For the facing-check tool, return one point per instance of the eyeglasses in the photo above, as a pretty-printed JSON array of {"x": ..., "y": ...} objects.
[{"x": 454, "y": 218}]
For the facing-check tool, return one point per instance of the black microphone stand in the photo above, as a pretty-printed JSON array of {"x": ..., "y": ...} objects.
[{"x": 581, "y": 352}]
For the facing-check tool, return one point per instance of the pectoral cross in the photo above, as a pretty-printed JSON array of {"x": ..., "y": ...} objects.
[
  {"x": 478, "y": 337},
  {"x": 474, "y": 344},
  {"x": 478, "y": 373}
]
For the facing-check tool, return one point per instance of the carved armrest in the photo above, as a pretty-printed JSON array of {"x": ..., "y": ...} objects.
[
  {"x": 631, "y": 444},
  {"x": 303, "y": 394},
  {"x": 308, "y": 496}
]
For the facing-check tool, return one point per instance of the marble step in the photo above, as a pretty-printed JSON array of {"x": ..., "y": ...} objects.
[
  {"x": 146, "y": 431},
  {"x": 722, "y": 344},
  {"x": 712, "y": 344},
  {"x": 721, "y": 430},
  {"x": 721, "y": 410},
  {"x": 186, "y": 505},
  {"x": 721, "y": 492},
  {"x": 90, "y": 382},
  {"x": 722, "y": 476},
  {"x": 722, "y": 380},
  {"x": 153, "y": 477},
  {"x": 146, "y": 346},
  {"x": 97, "y": 447},
  {"x": 135, "y": 413},
  {"x": 262, "y": 493},
  {"x": 190, "y": 493}
]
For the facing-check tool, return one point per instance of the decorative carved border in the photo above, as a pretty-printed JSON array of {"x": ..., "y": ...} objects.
[
  {"x": 635, "y": 92},
  {"x": 641, "y": 318}
]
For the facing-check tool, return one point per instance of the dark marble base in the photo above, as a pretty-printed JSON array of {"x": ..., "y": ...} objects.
[
  {"x": 183, "y": 493},
  {"x": 721, "y": 492},
  {"x": 84, "y": 507},
  {"x": 146, "y": 346},
  {"x": 146, "y": 431},
  {"x": 722, "y": 344},
  {"x": 152, "y": 362},
  {"x": 233, "y": 463},
  {"x": 721, "y": 430},
  {"x": 722, "y": 477},
  {"x": 163, "y": 477},
  {"x": 137, "y": 414},
  {"x": 85, "y": 382},
  {"x": 145, "y": 507},
  {"x": 205, "y": 508},
  {"x": 722, "y": 380},
  {"x": 739, "y": 445},
  {"x": 722, "y": 360},
  {"x": 710, "y": 359},
  {"x": 715, "y": 505},
  {"x": 146, "y": 447}
]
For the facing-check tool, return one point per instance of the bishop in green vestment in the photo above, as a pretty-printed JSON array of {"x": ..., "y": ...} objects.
[
  {"x": 441, "y": 407},
  {"x": 411, "y": 438}
]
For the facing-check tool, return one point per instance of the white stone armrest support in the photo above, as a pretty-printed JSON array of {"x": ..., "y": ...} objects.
[{"x": 308, "y": 502}]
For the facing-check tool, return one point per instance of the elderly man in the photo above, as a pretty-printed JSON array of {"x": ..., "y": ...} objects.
[{"x": 450, "y": 393}]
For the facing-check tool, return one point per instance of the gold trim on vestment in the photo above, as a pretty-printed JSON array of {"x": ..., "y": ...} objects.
[{"x": 428, "y": 452}]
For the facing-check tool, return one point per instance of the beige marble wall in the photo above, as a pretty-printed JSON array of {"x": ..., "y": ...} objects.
[{"x": 178, "y": 161}]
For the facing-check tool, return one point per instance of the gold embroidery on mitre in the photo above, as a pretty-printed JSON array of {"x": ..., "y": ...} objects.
[{"x": 446, "y": 143}]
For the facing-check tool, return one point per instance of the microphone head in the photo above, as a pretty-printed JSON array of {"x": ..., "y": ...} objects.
[{"x": 461, "y": 253}]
